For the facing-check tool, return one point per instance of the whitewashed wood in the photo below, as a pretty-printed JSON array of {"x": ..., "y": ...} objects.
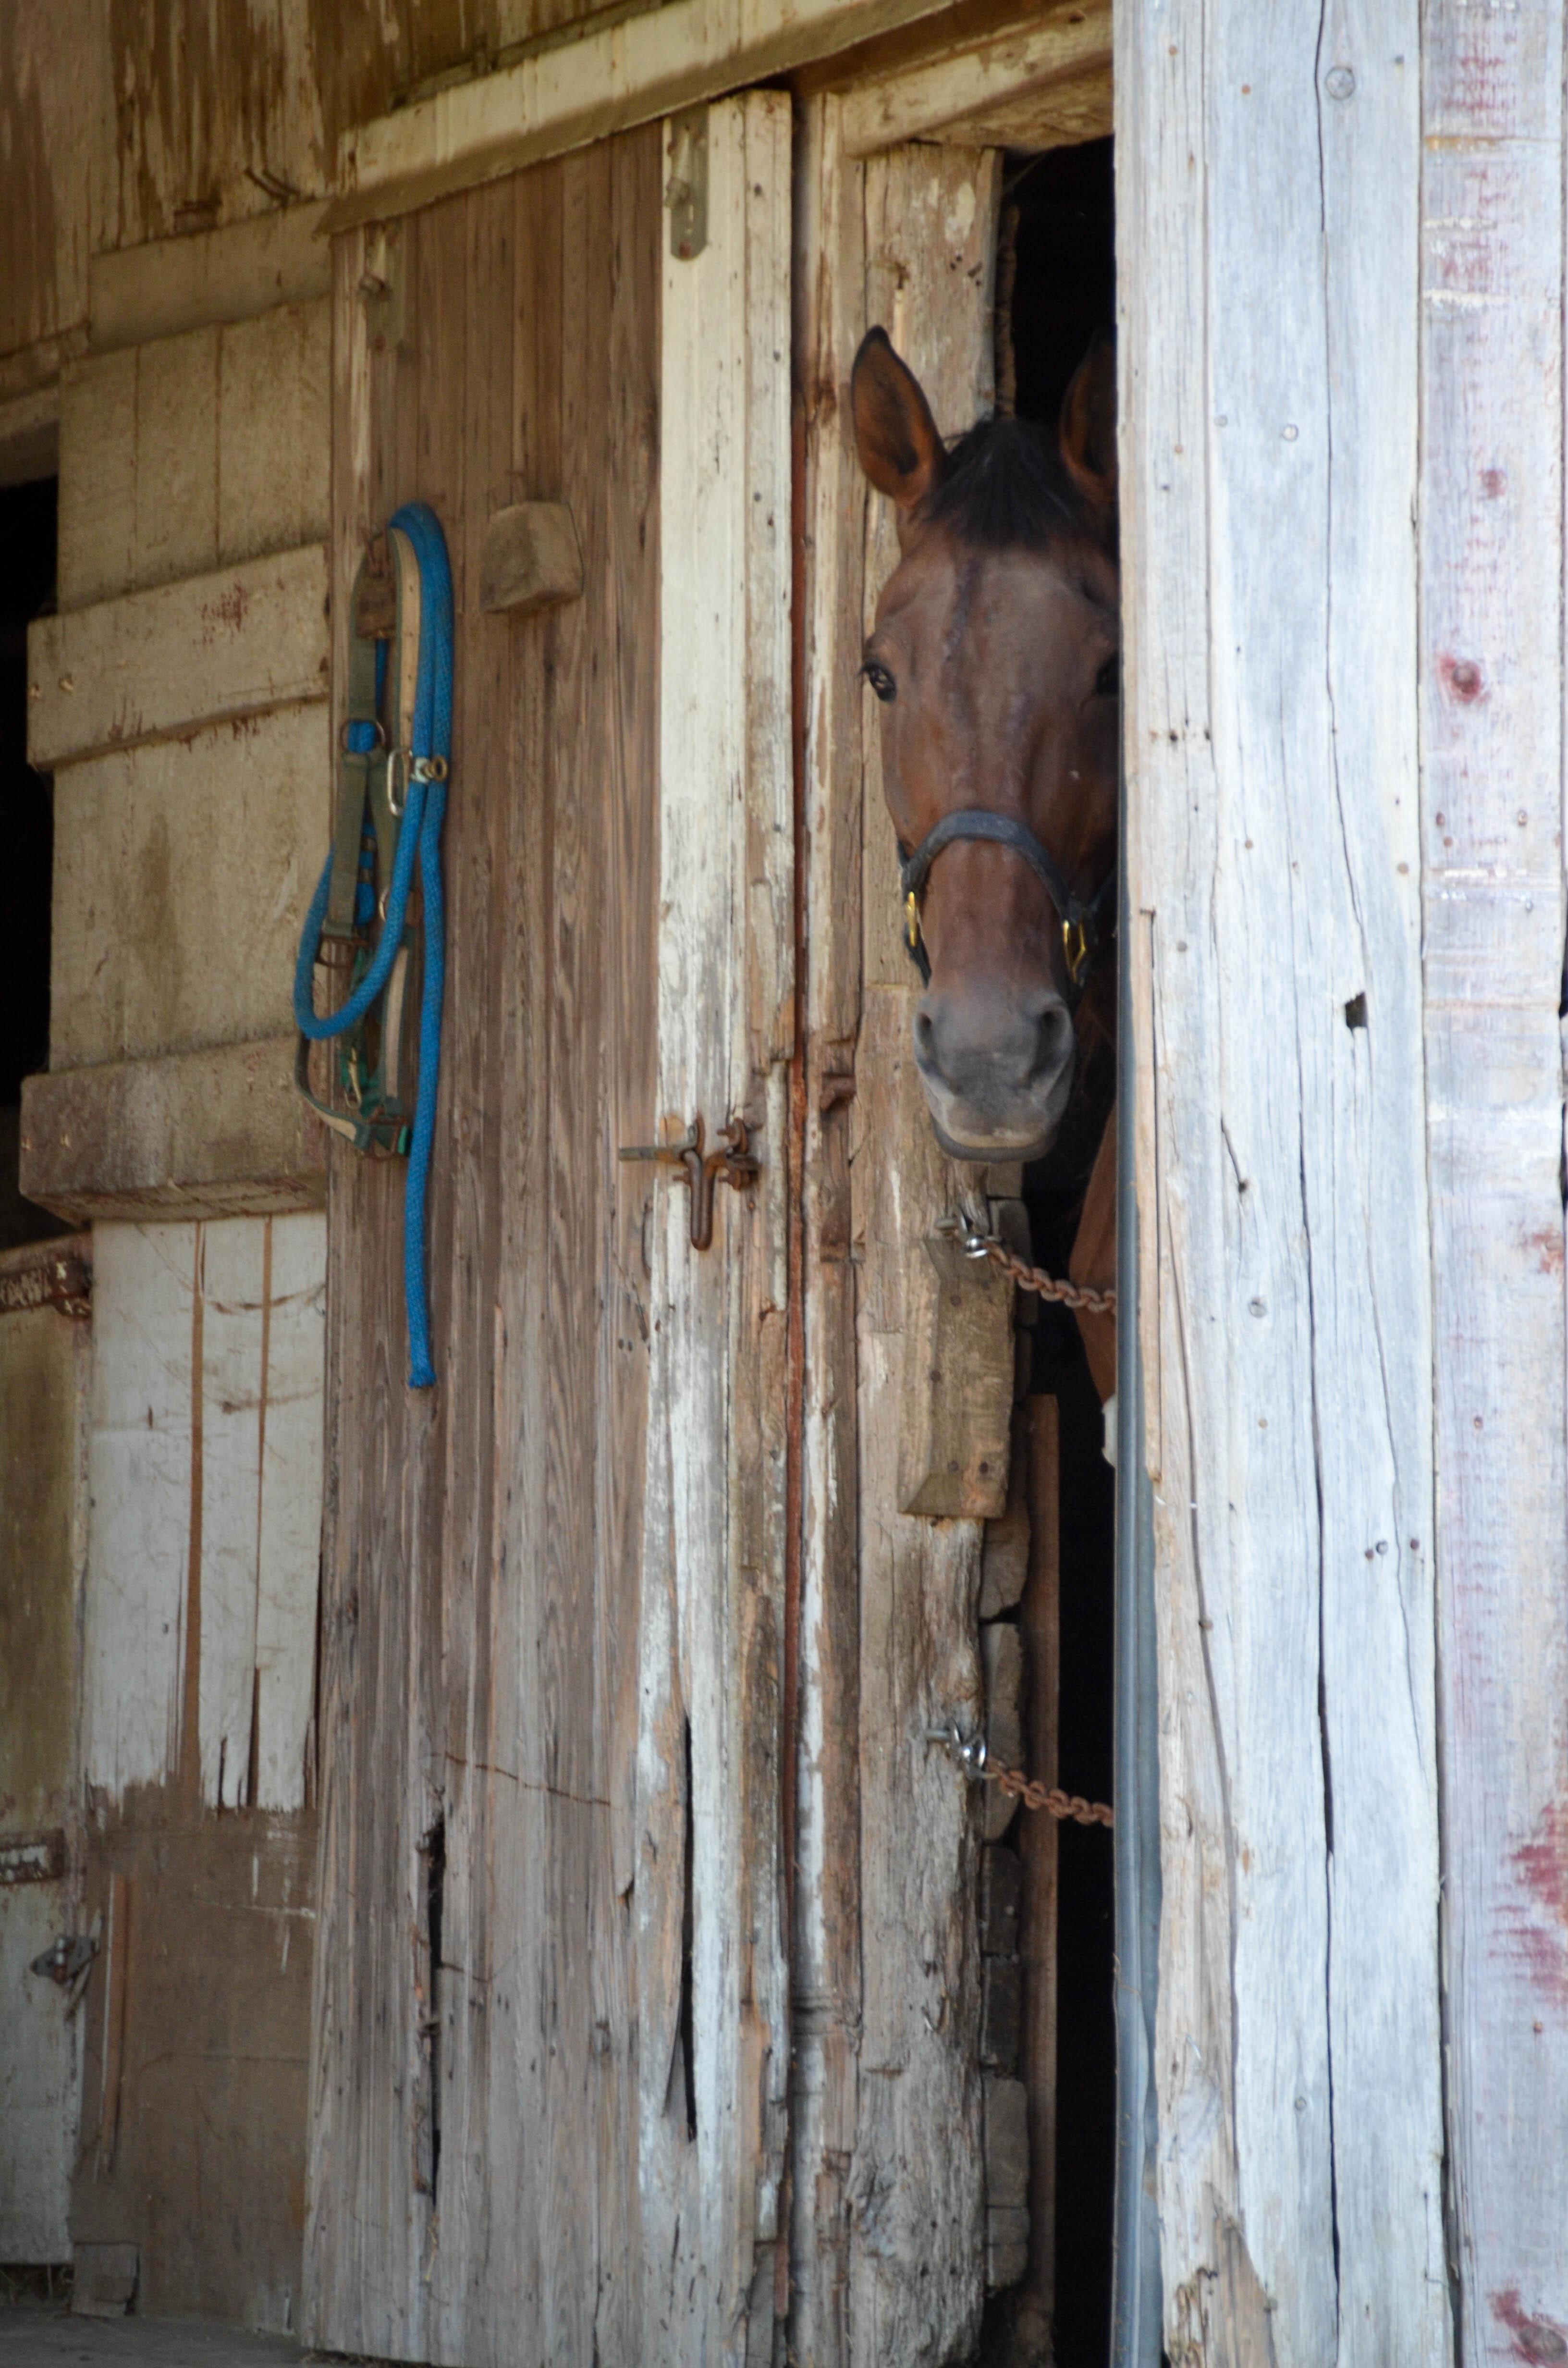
[
  {"x": 166, "y": 285},
  {"x": 1270, "y": 438},
  {"x": 714, "y": 1583},
  {"x": 153, "y": 664},
  {"x": 929, "y": 101},
  {"x": 647, "y": 65},
  {"x": 1490, "y": 555},
  {"x": 259, "y": 1517}
]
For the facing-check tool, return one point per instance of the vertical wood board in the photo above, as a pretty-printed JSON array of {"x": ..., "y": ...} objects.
[
  {"x": 1269, "y": 440},
  {"x": 714, "y": 1573}
]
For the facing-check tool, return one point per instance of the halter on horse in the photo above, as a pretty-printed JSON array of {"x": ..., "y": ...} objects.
[{"x": 994, "y": 653}]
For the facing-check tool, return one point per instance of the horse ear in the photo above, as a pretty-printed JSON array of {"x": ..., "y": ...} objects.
[
  {"x": 895, "y": 435},
  {"x": 1088, "y": 422}
]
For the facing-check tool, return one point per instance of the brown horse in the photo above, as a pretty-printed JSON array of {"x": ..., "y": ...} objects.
[{"x": 995, "y": 655}]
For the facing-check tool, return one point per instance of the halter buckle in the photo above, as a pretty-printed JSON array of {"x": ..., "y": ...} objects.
[
  {"x": 912, "y": 923},
  {"x": 1075, "y": 946}
]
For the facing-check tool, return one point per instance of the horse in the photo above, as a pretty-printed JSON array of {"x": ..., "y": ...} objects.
[{"x": 996, "y": 653}]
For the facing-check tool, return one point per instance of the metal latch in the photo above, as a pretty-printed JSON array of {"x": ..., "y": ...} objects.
[
  {"x": 686, "y": 192},
  {"x": 735, "y": 1162},
  {"x": 66, "y": 1958}
]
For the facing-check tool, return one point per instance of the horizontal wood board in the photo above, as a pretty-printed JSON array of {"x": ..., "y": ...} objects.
[
  {"x": 153, "y": 665},
  {"x": 1269, "y": 439},
  {"x": 482, "y": 1568},
  {"x": 1490, "y": 560}
]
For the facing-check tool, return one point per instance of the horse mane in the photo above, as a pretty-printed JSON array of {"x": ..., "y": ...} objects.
[{"x": 1005, "y": 487}]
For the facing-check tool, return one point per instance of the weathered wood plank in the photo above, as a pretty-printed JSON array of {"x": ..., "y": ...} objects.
[
  {"x": 192, "y": 1511},
  {"x": 825, "y": 1931},
  {"x": 713, "y": 1582},
  {"x": 193, "y": 452},
  {"x": 1286, "y": 1306},
  {"x": 917, "y": 2250},
  {"x": 1067, "y": 42},
  {"x": 153, "y": 665},
  {"x": 1490, "y": 558},
  {"x": 165, "y": 286}
]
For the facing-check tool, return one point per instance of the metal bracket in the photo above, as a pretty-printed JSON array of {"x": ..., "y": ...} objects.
[
  {"x": 65, "y": 1958},
  {"x": 686, "y": 192},
  {"x": 734, "y": 1163}
]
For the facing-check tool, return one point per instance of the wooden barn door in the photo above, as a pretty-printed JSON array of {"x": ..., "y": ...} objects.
[{"x": 550, "y": 2045}]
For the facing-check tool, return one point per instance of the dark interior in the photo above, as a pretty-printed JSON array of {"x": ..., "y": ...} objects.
[
  {"x": 26, "y": 817},
  {"x": 1056, "y": 287}
]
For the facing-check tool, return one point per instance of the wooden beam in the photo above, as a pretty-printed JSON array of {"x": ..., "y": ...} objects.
[
  {"x": 712, "y": 2175},
  {"x": 649, "y": 65},
  {"x": 219, "y": 1133},
  {"x": 151, "y": 666},
  {"x": 1492, "y": 560},
  {"x": 165, "y": 285},
  {"x": 1069, "y": 46},
  {"x": 1269, "y": 439}
]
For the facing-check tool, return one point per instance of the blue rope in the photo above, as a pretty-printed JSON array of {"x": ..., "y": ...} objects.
[
  {"x": 432, "y": 737},
  {"x": 419, "y": 834}
]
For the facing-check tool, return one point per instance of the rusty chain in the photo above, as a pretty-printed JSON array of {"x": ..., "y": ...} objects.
[
  {"x": 1035, "y": 1278},
  {"x": 971, "y": 1756},
  {"x": 976, "y": 1244}
]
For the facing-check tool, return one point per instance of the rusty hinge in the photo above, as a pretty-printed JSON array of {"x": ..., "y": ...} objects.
[
  {"x": 54, "y": 1275},
  {"x": 702, "y": 1170}
]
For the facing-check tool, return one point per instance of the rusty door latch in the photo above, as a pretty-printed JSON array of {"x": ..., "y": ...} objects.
[{"x": 733, "y": 1161}]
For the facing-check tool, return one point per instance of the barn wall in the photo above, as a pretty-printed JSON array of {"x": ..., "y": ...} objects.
[
  {"x": 121, "y": 125},
  {"x": 179, "y": 697}
]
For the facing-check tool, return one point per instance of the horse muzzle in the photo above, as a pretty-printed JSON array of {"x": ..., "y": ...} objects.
[{"x": 997, "y": 1073}]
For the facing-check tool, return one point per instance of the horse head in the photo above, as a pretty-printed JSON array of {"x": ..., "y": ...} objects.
[{"x": 996, "y": 656}]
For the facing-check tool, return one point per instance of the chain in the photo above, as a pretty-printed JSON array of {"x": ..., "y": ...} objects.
[
  {"x": 974, "y": 1759},
  {"x": 976, "y": 1244}
]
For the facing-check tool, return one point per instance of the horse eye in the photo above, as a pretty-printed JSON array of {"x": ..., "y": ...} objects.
[
  {"x": 1107, "y": 682},
  {"x": 882, "y": 682}
]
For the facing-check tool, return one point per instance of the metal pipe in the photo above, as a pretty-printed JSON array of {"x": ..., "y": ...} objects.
[{"x": 1136, "y": 2307}]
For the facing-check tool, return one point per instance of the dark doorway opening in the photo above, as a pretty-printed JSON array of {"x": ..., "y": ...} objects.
[
  {"x": 1055, "y": 287},
  {"x": 26, "y": 819}
]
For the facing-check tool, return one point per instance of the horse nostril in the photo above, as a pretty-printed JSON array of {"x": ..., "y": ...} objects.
[
  {"x": 1054, "y": 1039},
  {"x": 925, "y": 1034}
]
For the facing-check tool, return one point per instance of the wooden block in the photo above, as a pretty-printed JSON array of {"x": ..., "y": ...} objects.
[
  {"x": 1007, "y": 2245},
  {"x": 214, "y": 1134},
  {"x": 1001, "y": 2013},
  {"x": 1007, "y": 2142},
  {"x": 1005, "y": 1558},
  {"x": 532, "y": 558},
  {"x": 155, "y": 665},
  {"x": 104, "y": 2285},
  {"x": 1010, "y": 1220},
  {"x": 1002, "y": 1663},
  {"x": 957, "y": 1404},
  {"x": 1001, "y": 1887}
]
